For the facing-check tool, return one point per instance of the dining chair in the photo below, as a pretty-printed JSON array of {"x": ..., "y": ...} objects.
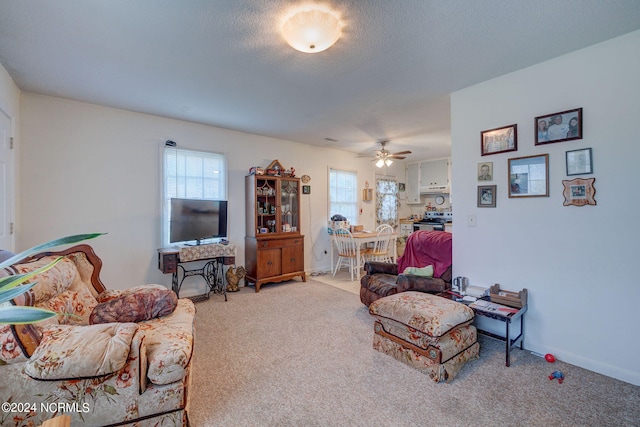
[
  {"x": 347, "y": 250},
  {"x": 380, "y": 251},
  {"x": 384, "y": 227}
]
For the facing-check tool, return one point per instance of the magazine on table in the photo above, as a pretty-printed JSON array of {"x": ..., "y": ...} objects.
[{"x": 492, "y": 307}]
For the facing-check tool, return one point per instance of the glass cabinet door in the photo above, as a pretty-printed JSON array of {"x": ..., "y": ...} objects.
[
  {"x": 289, "y": 206},
  {"x": 266, "y": 206}
]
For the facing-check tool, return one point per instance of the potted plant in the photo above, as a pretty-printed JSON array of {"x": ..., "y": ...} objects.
[{"x": 13, "y": 286}]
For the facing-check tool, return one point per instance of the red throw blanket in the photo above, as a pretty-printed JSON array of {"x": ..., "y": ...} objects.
[{"x": 427, "y": 248}]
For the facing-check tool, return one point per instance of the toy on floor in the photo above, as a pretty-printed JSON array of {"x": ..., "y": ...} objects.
[
  {"x": 557, "y": 374},
  {"x": 549, "y": 357}
]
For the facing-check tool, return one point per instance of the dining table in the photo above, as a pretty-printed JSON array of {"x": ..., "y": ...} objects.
[{"x": 363, "y": 238}]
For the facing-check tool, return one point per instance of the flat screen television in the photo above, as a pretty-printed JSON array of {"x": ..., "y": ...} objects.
[{"x": 195, "y": 219}]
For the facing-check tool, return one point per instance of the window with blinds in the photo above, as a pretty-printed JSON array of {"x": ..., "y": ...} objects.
[
  {"x": 343, "y": 194},
  {"x": 191, "y": 174}
]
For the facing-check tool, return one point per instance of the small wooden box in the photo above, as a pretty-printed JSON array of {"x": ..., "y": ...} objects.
[
  {"x": 355, "y": 228},
  {"x": 508, "y": 298}
]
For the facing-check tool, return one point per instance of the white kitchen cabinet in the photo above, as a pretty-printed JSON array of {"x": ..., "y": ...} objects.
[
  {"x": 412, "y": 187},
  {"x": 406, "y": 228},
  {"x": 434, "y": 175}
]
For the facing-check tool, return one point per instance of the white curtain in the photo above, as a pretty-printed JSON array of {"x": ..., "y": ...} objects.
[{"x": 387, "y": 200}]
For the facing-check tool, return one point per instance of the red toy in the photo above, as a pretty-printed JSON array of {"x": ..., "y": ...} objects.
[
  {"x": 549, "y": 357},
  {"x": 557, "y": 374}
]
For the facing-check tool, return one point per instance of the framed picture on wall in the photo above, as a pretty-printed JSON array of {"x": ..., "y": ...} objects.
[
  {"x": 529, "y": 176},
  {"x": 487, "y": 196},
  {"x": 579, "y": 162},
  {"x": 485, "y": 171},
  {"x": 579, "y": 192},
  {"x": 558, "y": 127},
  {"x": 499, "y": 140}
]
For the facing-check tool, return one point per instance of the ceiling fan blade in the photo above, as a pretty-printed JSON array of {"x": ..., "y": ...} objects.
[
  {"x": 402, "y": 152},
  {"x": 396, "y": 157}
]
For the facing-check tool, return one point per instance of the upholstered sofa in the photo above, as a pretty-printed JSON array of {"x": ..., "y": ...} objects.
[
  {"x": 126, "y": 371},
  {"x": 424, "y": 250}
]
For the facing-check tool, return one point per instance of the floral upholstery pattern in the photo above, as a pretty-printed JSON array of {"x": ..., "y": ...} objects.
[
  {"x": 74, "y": 307},
  {"x": 10, "y": 349},
  {"x": 131, "y": 374},
  {"x": 428, "y": 332},
  {"x": 429, "y": 314},
  {"x": 169, "y": 343},
  {"x": 439, "y": 349},
  {"x": 438, "y": 372},
  {"x": 136, "y": 305},
  {"x": 56, "y": 280},
  {"x": 91, "y": 351}
]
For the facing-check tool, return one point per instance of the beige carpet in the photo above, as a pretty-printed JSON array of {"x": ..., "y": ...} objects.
[{"x": 300, "y": 354}]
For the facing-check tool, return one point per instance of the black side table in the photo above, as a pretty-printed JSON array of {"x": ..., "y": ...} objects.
[{"x": 507, "y": 318}]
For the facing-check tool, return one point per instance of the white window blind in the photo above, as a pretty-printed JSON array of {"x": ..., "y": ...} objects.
[
  {"x": 343, "y": 194},
  {"x": 191, "y": 174}
]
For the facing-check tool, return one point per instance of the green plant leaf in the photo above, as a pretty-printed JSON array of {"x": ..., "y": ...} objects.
[
  {"x": 9, "y": 294},
  {"x": 48, "y": 245},
  {"x": 18, "y": 315},
  {"x": 15, "y": 280}
]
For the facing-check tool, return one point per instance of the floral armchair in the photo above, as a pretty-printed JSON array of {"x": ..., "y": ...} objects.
[{"x": 134, "y": 371}]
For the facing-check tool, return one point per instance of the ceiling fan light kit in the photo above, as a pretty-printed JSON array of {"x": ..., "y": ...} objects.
[
  {"x": 312, "y": 29},
  {"x": 384, "y": 157}
]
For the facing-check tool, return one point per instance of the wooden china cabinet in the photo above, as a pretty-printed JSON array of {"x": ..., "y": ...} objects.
[{"x": 274, "y": 247}]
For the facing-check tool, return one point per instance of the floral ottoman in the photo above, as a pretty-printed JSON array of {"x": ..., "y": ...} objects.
[{"x": 428, "y": 332}]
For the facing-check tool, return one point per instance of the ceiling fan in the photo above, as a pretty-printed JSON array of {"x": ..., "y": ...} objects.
[{"x": 385, "y": 157}]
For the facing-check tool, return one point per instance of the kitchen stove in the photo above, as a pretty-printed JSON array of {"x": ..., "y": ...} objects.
[{"x": 433, "y": 221}]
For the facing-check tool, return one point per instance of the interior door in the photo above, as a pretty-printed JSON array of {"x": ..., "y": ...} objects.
[{"x": 6, "y": 182}]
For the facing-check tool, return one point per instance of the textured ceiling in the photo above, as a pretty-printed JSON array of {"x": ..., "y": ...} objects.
[{"x": 223, "y": 62}]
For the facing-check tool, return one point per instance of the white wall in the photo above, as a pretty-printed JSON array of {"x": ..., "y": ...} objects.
[
  {"x": 91, "y": 168},
  {"x": 578, "y": 263}
]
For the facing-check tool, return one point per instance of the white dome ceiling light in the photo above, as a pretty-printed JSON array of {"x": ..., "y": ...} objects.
[{"x": 312, "y": 29}]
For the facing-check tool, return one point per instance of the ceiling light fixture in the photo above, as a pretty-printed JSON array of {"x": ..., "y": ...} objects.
[
  {"x": 384, "y": 161},
  {"x": 312, "y": 29}
]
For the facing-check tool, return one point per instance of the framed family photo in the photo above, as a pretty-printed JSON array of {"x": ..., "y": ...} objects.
[
  {"x": 579, "y": 162},
  {"x": 579, "y": 192},
  {"x": 487, "y": 196},
  {"x": 558, "y": 127},
  {"x": 499, "y": 140},
  {"x": 529, "y": 176}
]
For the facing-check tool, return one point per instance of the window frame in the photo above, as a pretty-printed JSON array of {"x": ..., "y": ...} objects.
[
  {"x": 219, "y": 193},
  {"x": 353, "y": 175}
]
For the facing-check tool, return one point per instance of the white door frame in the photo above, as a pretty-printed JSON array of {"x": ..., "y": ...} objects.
[{"x": 7, "y": 239}]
